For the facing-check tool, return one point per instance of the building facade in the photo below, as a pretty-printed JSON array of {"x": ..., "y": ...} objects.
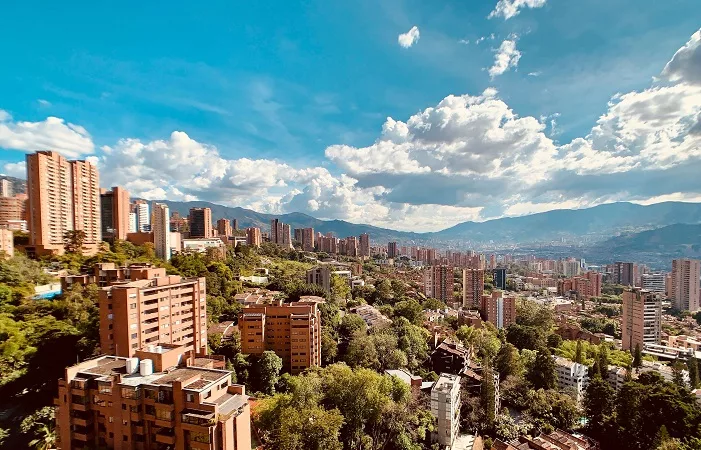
[
  {"x": 224, "y": 227},
  {"x": 473, "y": 287},
  {"x": 571, "y": 376},
  {"x": 253, "y": 237},
  {"x": 392, "y": 251},
  {"x": 292, "y": 331},
  {"x": 364, "y": 245},
  {"x": 654, "y": 282},
  {"x": 499, "y": 277},
  {"x": 685, "y": 284},
  {"x": 162, "y": 241},
  {"x": 499, "y": 309},
  {"x": 163, "y": 398},
  {"x": 439, "y": 282},
  {"x": 7, "y": 243},
  {"x": 114, "y": 213},
  {"x": 13, "y": 210},
  {"x": 153, "y": 308},
  {"x": 445, "y": 407},
  {"x": 63, "y": 196},
  {"x": 280, "y": 233},
  {"x": 200, "y": 223},
  {"x": 641, "y": 322},
  {"x": 143, "y": 217}
]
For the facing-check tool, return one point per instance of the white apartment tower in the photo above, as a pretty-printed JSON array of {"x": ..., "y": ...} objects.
[{"x": 685, "y": 284}]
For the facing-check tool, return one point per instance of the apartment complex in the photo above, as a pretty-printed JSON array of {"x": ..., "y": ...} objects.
[
  {"x": 63, "y": 196},
  {"x": 364, "y": 245},
  {"x": 224, "y": 227},
  {"x": 654, "y": 282},
  {"x": 392, "y": 251},
  {"x": 162, "y": 398},
  {"x": 571, "y": 376},
  {"x": 12, "y": 210},
  {"x": 439, "y": 282},
  {"x": 7, "y": 243},
  {"x": 292, "y": 331},
  {"x": 114, "y": 213},
  {"x": 5, "y": 188},
  {"x": 499, "y": 309},
  {"x": 641, "y": 323},
  {"x": 162, "y": 241},
  {"x": 253, "y": 237},
  {"x": 200, "y": 223},
  {"x": 153, "y": 308},
  {"x": 473, "y": 287},
  {"x": 307, "y": 239},
  {"x": 445, "y": 407},
  {"x": 624, "y": 273},
  {"x": 143, "y": 217},
  {"x": 280, "y": 233},
  {"x": 685, "y": 284}
]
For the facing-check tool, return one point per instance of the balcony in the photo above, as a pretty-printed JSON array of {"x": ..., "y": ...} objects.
[
  {"x": 166, "y": 437},
  {"x": 199, "y": 418}
]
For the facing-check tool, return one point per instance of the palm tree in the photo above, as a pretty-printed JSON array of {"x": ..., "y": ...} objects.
[{"x": 47, "y": 438}]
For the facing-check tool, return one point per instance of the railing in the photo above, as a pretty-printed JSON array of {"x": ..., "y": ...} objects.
[{"x": 201, "y": 419}]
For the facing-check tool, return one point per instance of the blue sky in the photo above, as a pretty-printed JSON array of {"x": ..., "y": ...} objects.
[{"x": 283, "y": 106}]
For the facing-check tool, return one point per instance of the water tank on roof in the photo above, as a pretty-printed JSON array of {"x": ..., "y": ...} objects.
[
  {"x": 151, "y": 348},
  {"x": 146, "y": 367},
  {"x": 132, "y": 365},
  {"x": 159, "y": 349}
]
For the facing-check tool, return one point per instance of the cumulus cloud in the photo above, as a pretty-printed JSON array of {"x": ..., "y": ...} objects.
[
  {"x": 409, "y": 38},
  {"x": 685, "y": 65},
  {"x": 511, "y": 8},
  {"x": 53, "y": 133},
  {"x": 17, "y": 170},
  {"x": 505, "y": 58}
]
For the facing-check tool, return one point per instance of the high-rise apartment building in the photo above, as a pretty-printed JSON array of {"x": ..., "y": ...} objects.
[
  {"x": 280, "y": 233},
  {"x": 153, "y": 308},
  {"x": 235, "y": 224},
  {"x": 392, "y": 251},
  {"x": 200, "y": 223},
  {"x": 439, "y": 282},
  {"x": 253, "y": 236},
  {"x": 624, "y": 273},
  {"x": 685, "y": 284},
  {"x": 654, "y": 282},
  {"x": 133, "y": 227},
  {"x": 472, "y": 287},
  {"x": 445, "y": 407},
  {"x": 499, "y": 278},
  {"x": 114, "y": 213},
  {"x": 641, "y": 323},
  {"x": 63, "y": 196},
  {"x": 163, "y": 398},
  {"x": 306, "y": 237},
  {"x": 12, "y": 209},
  {"x": 224, "y": 227},
  {"x": 571, "y": 376},
  {"x": 161, "y": 231},
  {"x": 5, "y": 188},
  {"x": 7, "y": 243},
  {"x": 364, "y": 245},
  {"x": 143, "y": 217},
  {"x": 291, "y": 330},
  {"x": 499, "y": 309}
]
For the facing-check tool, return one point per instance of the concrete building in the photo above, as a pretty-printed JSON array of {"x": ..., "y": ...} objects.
[
  {"x": 63, "y": 196},
  {"x": 445, "y": 407},
  {"x": 439, "y": 282},
  {"x": 585, "y": 286},
  {"x": 153, "y": 308},
  {"x": 392, "y": 251},
  {"x": 12, "y": 209},
  {"x": 364, "y": 245},
  {"x": 224, "y": 227},
  {"x": 253, "y": 237},
  {"x": 641, "y": 322},
  {"x": 307, "y": 239},
  {"x": 114, "y": 213},
  {"x": 133, "y": 227},
  {"x": 499, "y": 277},
  {"x": 280, "y": 233},
  {"x": 499, "y": 309},
  {"x": 163, "y": 398},
  {"x": 7, "y": 243},
  {"x": 556, "y": 440},
  {"x": 292, "y": 331},
  {"x": 5, "y": 188},
  {"x": 200, "y": 223},
  {"x": 685, "y": 284},
  {"x": 654, "y": 282},
  {"x": 143, "y": 217},
  {"x": 161, "y": 231},
  {"x": 624, "y": 273},
  {"x": 472, "y": 287},
  {"x": 372, "y": 316},
  {"x": 321, "y": 275},
  {"x": 202, "y": 244},
  {"x": 571, "y": 376},
  {"x": 450, "y": 356}
]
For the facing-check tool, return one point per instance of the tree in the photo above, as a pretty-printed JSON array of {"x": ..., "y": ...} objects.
[
  {"x": 578, "y": 356},
  {"x": 603, "y": 360},
  {"x": 693, "y": 367},
  {"x": 269, "y": 367},
  {"x": 340, "y": 289},
  {"x": 361, "y": 352},
  {"x": 542, "y": 373},
  {"x": 554, "y": 340},
  {"x": 46, "y": 439},
  {"x": 433, "y": 304},
  {"x": 73, "y": 241},
  {"x": 329, "y": 347},
  {"x": 351, "y": 324},
  {"x": 598, "y": 404},
  {"x": 409, "y": 309},
  {"x": 507, "y": 361},
  {"x": 637, "y": 357},
  {"x": 677, "y": 374},
  {"x": 487, "y": 396}
]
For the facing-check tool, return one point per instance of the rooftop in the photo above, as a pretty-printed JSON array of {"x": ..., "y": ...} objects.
[{"x": 446, "y": 382}]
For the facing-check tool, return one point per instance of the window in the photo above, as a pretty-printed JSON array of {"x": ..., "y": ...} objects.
[
  {"x": 189, "y": 397},
  {"x": 133, "y": 305}
]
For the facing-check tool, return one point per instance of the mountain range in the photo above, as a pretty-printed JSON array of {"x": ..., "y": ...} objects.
[{"x": 591, "y": 224}]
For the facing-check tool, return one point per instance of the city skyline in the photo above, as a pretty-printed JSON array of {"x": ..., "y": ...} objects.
[{"x": 509, "y": 115}]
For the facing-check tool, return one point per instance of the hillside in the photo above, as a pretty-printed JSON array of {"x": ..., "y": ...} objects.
[{"x": 19, "y": 186}]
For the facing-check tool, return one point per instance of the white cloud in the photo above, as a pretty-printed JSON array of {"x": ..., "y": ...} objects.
[
  {"x": 71, "y": 140},
  {"x": 685, "y": 65},
  {"x": 535, "y": 74},
  {"x": 511, "y": 8},
  {"x": 505, "y": 58},
  {"x": 17, "y": 170},
  {"x": 44, "y": 103},
  {"x": 409, "y": 38},
  {"x": 464, "y": 41}
]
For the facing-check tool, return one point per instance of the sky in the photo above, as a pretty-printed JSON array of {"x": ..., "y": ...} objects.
[{"x": 404, "y": 114}]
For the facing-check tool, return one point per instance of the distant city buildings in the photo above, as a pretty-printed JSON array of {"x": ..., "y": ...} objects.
[
  {"x": 571, "y": 376},
  {"x": 161, "y": 232},
  {"x": 13, "y": 212},
  {"x": 280, "y": 234},
  {"x": 224, "y": 227},
  {"x": 439, "y": 282},
  {"x": 499, "y": 309},
  {"x": 6, "y": 188},
  {"x": 143, "y": 217},
  {"x": 499, "y": 277},
  {"x": 584, "y": 286},
  {"x": 253, "y": 237},
  {"x": 473, "y": 287},
  {"x": 114, "y": 213},
  {"x": 63, "y": 196},
  {"x": 641, "y": 323},
  {"x": 624, "y": 273},
  {"x": 654, "y": 282},
  {"x": 685, "y": 291},
  {"x": 392, "y": 251}
]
